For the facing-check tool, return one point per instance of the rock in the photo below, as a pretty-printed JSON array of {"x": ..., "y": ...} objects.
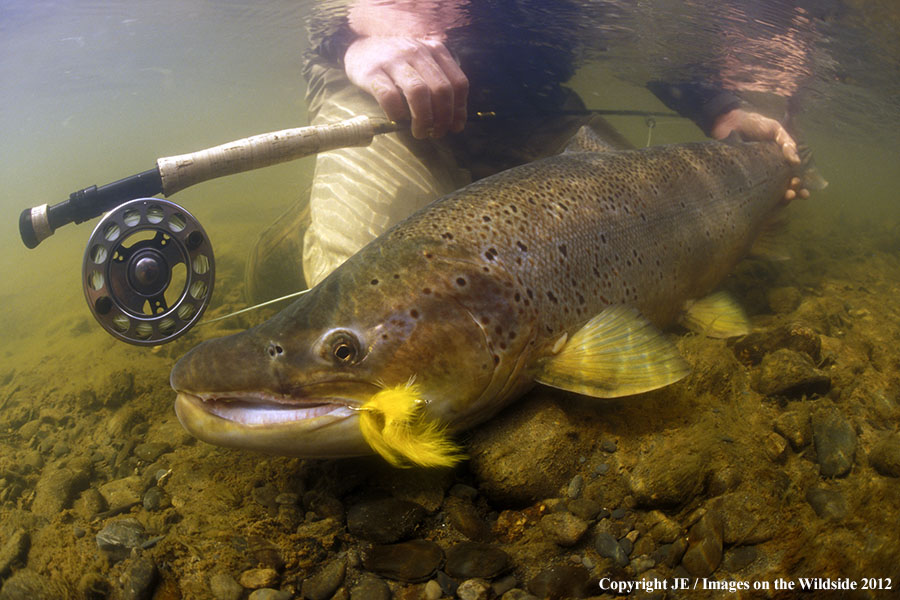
[
  {"x": 668, "y": 475},
  {"x": 122, "y": 493},
  {"x": 704, "y": 552},
  {"x": 412, "y": 561},
  {"x": 517, "y": 594},
  {"x": 224, "y": 587},
  {"x": 150, "y": 451},
  {"x": 265, "y": 495},
  {"x": 751, "y": 348},
  {"x": 323, "y": 505},
  {"x": 739, "y": 557},
  {"x": 384, "y": 521},
  {"x": 26, "y": 584},
  {"x": 464, "y": 518},
  {"x": 568, "y": 581},
  {"x": 469, "y": 560},
  {"x": 56, "y": 489},
  {"x": 885, "y": 455},
  {"x": 433, "y": 590},
  {"x": 563, "y": 529},
  {"x": 139, "y": 579},
  {"x": 14, "y": 550},
  {"x": 503, "y": 585},
  {"x": 32, "y": 461},
  {"x": 119, "y": 537},
  {"x": 90, "y": 503},
  {"x": 828, "y": 504},
  {"x": 527, "y": 454},
  {"x": 608, "y": 547},
  {"x": 790, "y": 373},
  {"x": 370, "y": 588},
  {"x": 270, "y": 594},
  {"x": 784, "y": 299},
  {"x": 252, "y": 579},
  {"x": 463, "y": 492},
  {"x": 747, "y": 517},
  {"x": 583, "y": 508},
  {"x": 117, "y": 389},
  {"x": 155, "y": 498},
  {"x": 663, "y": 528},
  {"x": 835, "y": 442},
  {"x": 795, "y": 426},
  {"x": 473, "y": 589},
  {"x": 775, "y": 447},
  {"x": 323, "y": 584}
]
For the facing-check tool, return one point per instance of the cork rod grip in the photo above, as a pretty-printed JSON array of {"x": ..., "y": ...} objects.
[{"x": 185, "y": 170}]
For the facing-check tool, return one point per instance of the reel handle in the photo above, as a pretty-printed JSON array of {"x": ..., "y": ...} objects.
[{"x": 175, "y": 173}]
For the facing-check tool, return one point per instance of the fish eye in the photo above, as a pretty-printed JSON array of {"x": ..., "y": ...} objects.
[{"x": 342, "y": 347}]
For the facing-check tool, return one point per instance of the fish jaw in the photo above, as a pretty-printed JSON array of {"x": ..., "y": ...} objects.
[{"x": 329, "y": 429}]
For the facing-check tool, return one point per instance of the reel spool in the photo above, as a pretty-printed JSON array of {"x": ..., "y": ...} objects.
[{"x": 148, "y": 271}]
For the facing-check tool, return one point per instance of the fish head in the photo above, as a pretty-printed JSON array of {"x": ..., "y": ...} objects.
[{"x": 295, "y": 384}]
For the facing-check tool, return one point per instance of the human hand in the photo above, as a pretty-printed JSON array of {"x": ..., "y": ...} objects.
[
  {"x": 757, "y": 127},
  {"x": 411, "y": 79}
]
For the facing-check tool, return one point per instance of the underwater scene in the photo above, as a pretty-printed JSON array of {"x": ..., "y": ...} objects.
[{"x": 558, "y": 342}]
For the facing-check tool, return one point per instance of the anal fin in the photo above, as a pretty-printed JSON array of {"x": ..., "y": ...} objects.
[
  {"x": 617, "y": 353},
  {"x": 717, "y": 315}
]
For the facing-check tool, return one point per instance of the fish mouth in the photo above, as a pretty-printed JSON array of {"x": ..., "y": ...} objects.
[
  {"x": 312, "y": 425},
  {"x": 257, "y": 409}
]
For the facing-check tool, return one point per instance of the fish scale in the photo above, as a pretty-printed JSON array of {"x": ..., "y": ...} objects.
[{"x": 558, "y": 272}]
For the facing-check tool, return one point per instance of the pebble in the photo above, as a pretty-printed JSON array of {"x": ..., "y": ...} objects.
[
  {"x": 642, "y": 563},
  {"x": 119, "y": 537},
  {"x": 795, "y": 426},
  {"x": 122, "y": 493},
  {"x": 775, "y": 447},
  {"x": 747, "y": 517},
  {"x": 566, "y": 581},
  {"x": 433, "y": 590},
  {"x": 464, "y": 518},
  {"x": 828, "y": 504},
  {"x": 739, "y": 557},
  {"x": 885, "y": 455},
  {"x": 463, "y": 491},
  {"x": 525, "y": 455},
  {"x": 258, "y": 578},
  {"x": 704, "y": 552},
  {"x": 473, "y": 589},
  {"x": 671, "y": 554},
  {"x": 270, "y": 594},
  {"x": 265, "y": 495},
  {"x": 468, "y": 560},
  {"x": 56, "y": 489},
  {"x": 563, "y": 529},
  {"x": 608, "y": 446},
  {"x": 517, "y": 594},
  {"x": 323, "y": 584},
  {"x": 835, "y": 442},
  {"x": 576, "y": 485},
  {"x": 150, "y": 451},
  {"x": 608, "y": 547},
  {"x": 155, "y": 498},
  {"x": 503, "y": 585},
  {"x": 784, "y": 299},
  {"x": 370, "y": 588},
  {"x": 411, "y": 561},
  {"x": 751, "y": 348},
  {"x": 31, "y": 461},
  {"x": 139, "y": 579},
  {"x": 384, "y": 521},
  {"x": 790, "y": 373},
  {"x": 224, "y": 587}
]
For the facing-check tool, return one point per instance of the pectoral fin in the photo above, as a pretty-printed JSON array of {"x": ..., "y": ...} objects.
[
  {"x": 617, "y": 353},
  {"x": 716, "y": 316}
]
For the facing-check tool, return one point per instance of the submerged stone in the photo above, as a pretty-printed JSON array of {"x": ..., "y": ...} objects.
[
  {"x": 385, "y": 520},
  {"x": 412, "y": 561},
  {"x": 835, "y": 441},
  {"x": 469, "y": 560},
  {"x": 790, "y": 373}
]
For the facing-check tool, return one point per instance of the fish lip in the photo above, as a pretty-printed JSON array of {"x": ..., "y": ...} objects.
[{"x": 262, "y": 410}]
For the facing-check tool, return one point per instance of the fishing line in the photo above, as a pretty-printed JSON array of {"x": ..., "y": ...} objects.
[{"x": 254, "y": 307}]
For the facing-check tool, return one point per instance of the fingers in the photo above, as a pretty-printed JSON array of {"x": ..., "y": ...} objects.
[
  {"x": 411, "y": 79},
  {"x": 756, "y": 127},
  {"x": 796, "y": 190}
]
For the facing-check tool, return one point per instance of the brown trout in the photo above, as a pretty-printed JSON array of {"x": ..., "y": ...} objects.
[{"x": 560, "y": 272}]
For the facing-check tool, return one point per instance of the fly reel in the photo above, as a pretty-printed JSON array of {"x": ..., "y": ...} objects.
[{"x": 148, "y": 271}]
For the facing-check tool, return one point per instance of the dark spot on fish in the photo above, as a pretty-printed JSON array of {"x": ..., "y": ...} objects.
[
  {"x": 517, "y": 297},
  {"x": 429, "y": 255},
  {"x": 522, "y": 246},
  {"x": 563, "y": 250},
  {"x": 414, "y": 314},
  {"x": 374, "y": 282},
  {"x": 496, "y": 360},
  {"x": 447, "y": 235},
  {"x": 603, "y": 237},
  {"x": 503, "y": 345},
  {"x": 498, "y": 330},
  {"x": 486, "y": 218},
  {"x": 426, "y": 291},
  {"x": 384, "y": 336},
  {"x": 552, "y": 298},
  {"x": 529, "y": 292},
  {"x": 396, "y": 276},
  {"x": 460, "y": 281}
]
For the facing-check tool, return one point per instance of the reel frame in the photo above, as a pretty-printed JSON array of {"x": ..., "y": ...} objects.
[{"x": 128, "y": 269}]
